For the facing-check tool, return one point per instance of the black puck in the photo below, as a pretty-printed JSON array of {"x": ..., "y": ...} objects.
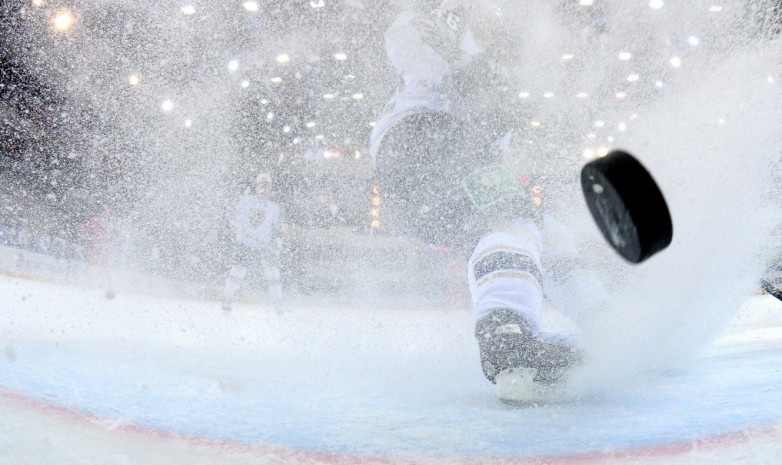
[{"x": 627, "y": 206}]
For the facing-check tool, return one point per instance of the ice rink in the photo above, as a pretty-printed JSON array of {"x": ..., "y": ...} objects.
[{"x": 140, "y": 379}]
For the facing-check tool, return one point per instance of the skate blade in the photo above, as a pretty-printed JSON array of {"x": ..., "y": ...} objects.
[{"x": 517, "y": 387}]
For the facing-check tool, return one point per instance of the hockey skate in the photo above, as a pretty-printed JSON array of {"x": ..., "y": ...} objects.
[{"x": 526, "y": 369}]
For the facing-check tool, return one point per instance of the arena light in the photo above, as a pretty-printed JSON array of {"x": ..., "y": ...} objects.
[
  {"x": 340, "y": 56},
  {"x": 38, "y": 3},
  {"x": 656, "y": 4},
  {"x": 233, "y": 65},
  {"x": 134, "y": 79},
  {"x": 167, "y": 106},
  {"x": 332, "y": 154},
  {"x": 625, "y": 56},
  {"x": 317, "y": 3},
  {"x": 62, "y": 20},
  {"x": 283, "y": 58},
  {"x": 188, "y": 10},
  {"x": 374, "y": 212},
  {"x": 251, "y": 6}
]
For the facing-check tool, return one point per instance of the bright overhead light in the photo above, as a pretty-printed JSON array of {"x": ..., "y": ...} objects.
[
  {"x": 62, "y": 20},
  {"x": 233, "y": 65},
  {"x": 358, "y": 96},
  {"x": 276, "y": 80},
  {"x": 549, "y": 94},
  {"x": 38, "y": 3},
  {"x": 633, "y": 78},
  {"x": 188, "y": 123},
  {"x": 311, "y": 124},
  {"x": 582, "y": 95},
  {"x": 656, "y": 4},
  {"x": 676, "y": 62},
  {"x": 693, "y": 40},
  {"x": 586, "y": 2},
  {"x": 283, "y": 58},
  {"x": 245, "y": 84},
  {"x": 134, "y": 79},
  {"x": 251, "y": 6},
  {"x": 524, "y": 94},
  {"x": 167, "y": 105},
  {"x": 340, "y": 56},
  {"x": 188, "y": 10},
  {"x": 328, "y": 96},
  {"x": 317, "y": 3},
  {"x": 624, "y": 56},
  {"x": 715, "y": 9}
]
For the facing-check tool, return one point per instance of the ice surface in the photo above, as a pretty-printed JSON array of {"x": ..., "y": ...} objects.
[{"x": 152, "y": 380}]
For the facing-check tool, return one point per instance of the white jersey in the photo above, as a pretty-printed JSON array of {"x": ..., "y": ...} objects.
[
  {"x": 424, "y": 49},
  {"x": 256, "y": 220}
]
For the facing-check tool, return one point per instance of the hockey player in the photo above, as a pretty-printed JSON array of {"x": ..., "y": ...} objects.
[
  {"x": 97, "y": 237},
  {"x": 258, "y": 241},
  {"x": 443, "y": 181}
]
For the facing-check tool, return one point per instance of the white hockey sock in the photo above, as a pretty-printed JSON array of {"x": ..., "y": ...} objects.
[
  {"x": 234, "y": 282},
  {"x": 504, "y": 272},
  {"x": 272, "y": 276}
]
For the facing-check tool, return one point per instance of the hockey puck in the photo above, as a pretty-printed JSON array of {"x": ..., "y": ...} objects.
[{"x": 627, "y": 206}]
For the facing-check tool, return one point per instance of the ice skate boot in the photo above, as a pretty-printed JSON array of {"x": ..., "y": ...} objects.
[{"x": 526, "y": 369}]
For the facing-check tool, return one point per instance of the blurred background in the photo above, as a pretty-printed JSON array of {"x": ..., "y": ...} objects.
[{"x": 165, "y": 112}]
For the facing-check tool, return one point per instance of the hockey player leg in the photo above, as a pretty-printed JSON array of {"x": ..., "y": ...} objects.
[
  {"x": 504, "y": 276},
  {"x": 272, "y": 276},
  {"x": 233, "y": 284},
  {"x": 573, "y": 287}
]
